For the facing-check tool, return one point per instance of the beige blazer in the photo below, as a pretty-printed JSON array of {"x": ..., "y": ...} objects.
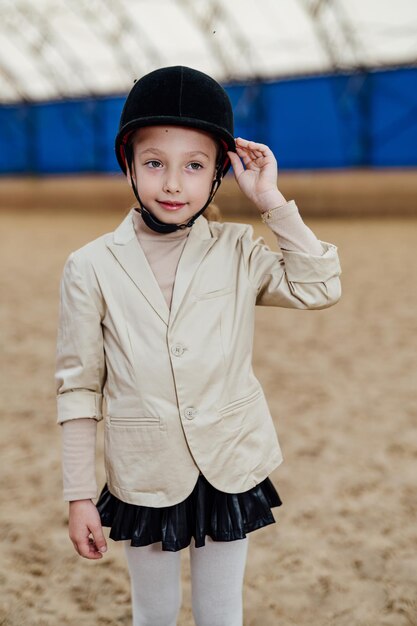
[{"x": 178, "y": 386}]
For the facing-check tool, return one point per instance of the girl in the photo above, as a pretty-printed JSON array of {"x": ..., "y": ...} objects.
[{"x": 156, "y": 318}]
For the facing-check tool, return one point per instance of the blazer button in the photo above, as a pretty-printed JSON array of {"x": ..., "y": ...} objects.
[
  {"x": 177, "y": 350},
  {"x": 190, "y": 413}
]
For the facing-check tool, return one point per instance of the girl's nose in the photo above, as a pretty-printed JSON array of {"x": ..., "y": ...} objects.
[{"x": 172, "y": 182}]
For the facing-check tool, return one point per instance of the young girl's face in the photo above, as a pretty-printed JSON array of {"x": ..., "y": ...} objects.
[{"x": 174, "y": 170}]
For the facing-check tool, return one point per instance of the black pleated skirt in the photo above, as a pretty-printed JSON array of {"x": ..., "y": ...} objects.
[{"x": 206, "y": 511}]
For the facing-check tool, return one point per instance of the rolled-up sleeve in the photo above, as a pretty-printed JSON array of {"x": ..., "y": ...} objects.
[
  {"x": 289, "y": 278},
  {"x": 80, "y": 362}
]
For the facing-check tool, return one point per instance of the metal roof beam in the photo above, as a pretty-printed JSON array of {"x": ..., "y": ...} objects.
[
  {"x": 45, "y": 39},
  {"x": 207, "y": 26},
  {"x": 115, "y": 36},
  {"x": 315, "y": 9}
]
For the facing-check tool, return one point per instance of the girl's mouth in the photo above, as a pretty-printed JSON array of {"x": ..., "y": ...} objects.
[{"x": 171, "y": 206}]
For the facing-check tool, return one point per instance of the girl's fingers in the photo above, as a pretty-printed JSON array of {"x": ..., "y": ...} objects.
[
  {"x": 236, "y": 163},
  {"x": 246, "y": 154},
  {"x": 98, "y": 537},
  {"x": 252, "y": 145},
  {"x": 243, "y": 150},
  {"x": 247, "y": 159},
  {"x": 253, "y": 153},
  {"x": 87, "y": 548},
  {"x": 255, "y": 156},
  {"x": 250, "y": 155},
  {"x": 252, "y": 160}
]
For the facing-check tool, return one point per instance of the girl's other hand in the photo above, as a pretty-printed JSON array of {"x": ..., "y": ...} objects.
[
  {"x": 257, "y": 176},
  {"x": 84, "y": 520}
]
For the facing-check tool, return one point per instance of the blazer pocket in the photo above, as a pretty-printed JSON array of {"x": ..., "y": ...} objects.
[
  {"x": 236, "y": 405},
  {"x": 206, "y": 295},
  {"x": 236, "y": 414},
  {"x": 134, "y": 421},
  {"x": 127, "y": 434}
]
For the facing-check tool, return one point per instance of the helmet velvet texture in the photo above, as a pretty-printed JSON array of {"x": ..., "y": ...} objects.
[{"x": 179, "y": 96}]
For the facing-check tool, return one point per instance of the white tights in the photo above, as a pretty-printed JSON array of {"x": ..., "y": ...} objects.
[{"x": 217, "y": 571}]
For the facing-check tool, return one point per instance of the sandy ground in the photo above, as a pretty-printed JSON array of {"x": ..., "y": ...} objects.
[{"x": 342, "y": 388}]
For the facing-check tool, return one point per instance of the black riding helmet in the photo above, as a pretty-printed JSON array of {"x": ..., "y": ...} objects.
[{"x": 179, "y": 96}]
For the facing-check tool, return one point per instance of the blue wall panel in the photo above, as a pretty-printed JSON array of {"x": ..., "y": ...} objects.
[
  {"x": 364, "y": 119},
  {"x": 14, "y": 138},
  {"x": 66, "y": 137},
  {"x": 302, "y": 125},
  {"x": 394, "y": 111}
]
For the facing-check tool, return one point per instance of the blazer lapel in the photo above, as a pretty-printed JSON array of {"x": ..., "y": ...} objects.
[
  {"x": 129, "y": 253},
  {"x": 198, "y": 243}
]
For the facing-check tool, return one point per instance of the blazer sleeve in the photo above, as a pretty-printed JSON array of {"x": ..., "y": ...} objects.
[
  {"x": 80, "y": 362},
  {"x": 289, "y": 278}
]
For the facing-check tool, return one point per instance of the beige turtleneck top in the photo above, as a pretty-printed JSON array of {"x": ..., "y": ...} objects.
[{"x": 163, "y": 252}]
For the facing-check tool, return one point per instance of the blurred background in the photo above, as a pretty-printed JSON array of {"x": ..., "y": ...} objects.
[{"x": 331, "y": 87}]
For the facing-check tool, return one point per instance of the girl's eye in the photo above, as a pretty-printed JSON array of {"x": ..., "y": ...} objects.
[
  {"x": 153, "y": 164},
  {"x": 195, "y": 166}
]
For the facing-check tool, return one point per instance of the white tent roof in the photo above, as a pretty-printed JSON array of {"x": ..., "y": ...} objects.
[{"x": 63, "y": 48}]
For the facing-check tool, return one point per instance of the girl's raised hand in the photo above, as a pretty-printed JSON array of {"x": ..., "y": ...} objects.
[{"x": 257, "y": 176}]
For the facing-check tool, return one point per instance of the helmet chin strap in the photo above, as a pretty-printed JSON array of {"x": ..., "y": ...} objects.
[{"x": 154, "y": 222}]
